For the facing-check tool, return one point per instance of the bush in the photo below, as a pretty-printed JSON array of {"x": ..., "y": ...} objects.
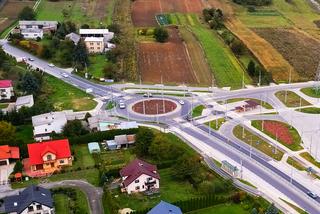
[{"x": 161, "y": 34}]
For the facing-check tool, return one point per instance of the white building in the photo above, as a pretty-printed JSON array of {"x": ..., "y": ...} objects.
[
  {"x": 140, "y": 176},
  {"x": 32, "y": 33},
  {"x": 6, "y": 89},
  {"x": 97, "y": 40},
  {"x": 26, "y": 101},
  {"x": 46, "y": 124},
  {"x": 96, "y": 33},
  {"x": 44, "y": 25}
]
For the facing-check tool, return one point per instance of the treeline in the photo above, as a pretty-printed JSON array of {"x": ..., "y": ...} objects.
[{"x": 253, "y": 2}]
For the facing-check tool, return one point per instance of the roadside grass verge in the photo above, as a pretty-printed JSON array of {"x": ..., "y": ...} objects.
[
  {"x": 291, "y": 161},
  {"x": 296, "y": 139},
  {"x": 310, "y": 110},
  {"x": 309, "y": 158},
  {"x": 291, "y": 99},
  {"x": 257, "y": 142},
  {"x": 311, "y": 92},
  {"x": 216, "y": 124},
  {"x": 197, "y": 111},
  {"x": 65, "y": 96},
  {"x": 247, "y": 183},
  {"x": 298, "y": 209}
]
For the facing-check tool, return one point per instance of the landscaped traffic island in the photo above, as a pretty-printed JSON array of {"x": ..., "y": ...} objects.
[
  {"x": 291, "y": 99},
  {"x": 154, "y": 106},
  {"x": 282, "y": 132}
]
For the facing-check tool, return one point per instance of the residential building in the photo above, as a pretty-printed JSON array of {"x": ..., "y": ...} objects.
[
  {"x": 46, "y": 124},
  {"x": 140, "y": 176},
  {"x": 121, "y": 141},
  {"x": 6, "y": 90},
  {"x": 75, "y": 38},
  {"x": 31, "y": 33},
  {"x": 165, "y": 208},
  {"x": 32, "y": 200},
  {"x": 95, "y": 44},
  {"x": 47, "y": 157},
  {"x": 105, "y": 126},
  {"x": 96, "y": 33},
  {"x": 8, "y": 153},
  {"x": 46, "y": 26},
  {"x": 24, "y": 101}
]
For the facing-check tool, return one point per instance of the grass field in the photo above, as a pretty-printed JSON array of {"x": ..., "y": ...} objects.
[
  {"x": 82, "y": 157},
  {"x": 296, "y": 139},
  {"x": 197, "y": 111},
  {"x": 222, "y": 209},
  {"x": 97, "y": 64},
  {"x": 61, "y": 203},
  {"x": 291, "y": 99},
  {"x": 4, "y": 105},
  {"x": 216, "y": 124},
  {"x": 64, "y": 96},
  {"x": 311, "y": 92},
  {"x": 309, "y": 158},
  {"x": 295, "y": 164},
  {"x": 252, "y": 139},
  {"x": 225, "y": 66}
]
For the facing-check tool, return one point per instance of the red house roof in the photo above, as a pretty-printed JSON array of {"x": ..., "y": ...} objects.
[
  {"x": 5, "y": 83},
  {"x": 36, "y": 151},
  {"x": 7, "y": 152},
  {"x": 136, "y": 168}
]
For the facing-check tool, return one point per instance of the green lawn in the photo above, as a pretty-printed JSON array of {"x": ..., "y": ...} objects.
[
  {"x": 291, "y": 99},
  {"x": 115, "y": 159},
  {"x": 311, "y": 92},
  {"x": 197, "y": 111},
  {"x": 97, "y": 64},
  {"x": 65, "y": 96},
  {"x": 295, "y": 146},
  {"x": 309, "y": 158},
  {"x": 252, "y": 139},
  {"x": 61, "y": 204},
  {"x": 82, "y": 157},
  {"x": 222, "y": 209},
  {"x": 295, "y": 164},
  {"x": 216, "y": 124},
  {"x": 310, "y": 110},
  {"x": 4, "y": 105},
  {"x": 225, "y": 66}
]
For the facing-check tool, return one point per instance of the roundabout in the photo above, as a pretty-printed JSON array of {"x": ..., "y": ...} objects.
[{"x": 154, "y": 106}]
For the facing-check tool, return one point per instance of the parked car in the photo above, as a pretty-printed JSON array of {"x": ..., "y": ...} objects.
[
  {"x": 181, "y": 102},
  {"x": 51, "y": 65},
  {"x": 147, "y": 94},
  {"x": 312, "y": 195}
]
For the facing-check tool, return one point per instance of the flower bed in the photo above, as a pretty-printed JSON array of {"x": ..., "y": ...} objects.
[{"x": 278, "y": 130}]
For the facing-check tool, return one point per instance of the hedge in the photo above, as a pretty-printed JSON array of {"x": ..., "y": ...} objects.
[{"x": 100, "y": 136}]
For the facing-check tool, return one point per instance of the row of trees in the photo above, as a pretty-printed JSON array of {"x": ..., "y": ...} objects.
[{"x": 253, "y": 2}]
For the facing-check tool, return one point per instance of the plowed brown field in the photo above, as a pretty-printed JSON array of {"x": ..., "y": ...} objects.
[
  {"x": 144, "y": 11},
  {"x": 169, "y": 60}
]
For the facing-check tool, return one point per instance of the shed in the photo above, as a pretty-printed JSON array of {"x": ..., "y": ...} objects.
[
  {"x": 94, "y": 147},
  {"x": 112, "y": 145}
]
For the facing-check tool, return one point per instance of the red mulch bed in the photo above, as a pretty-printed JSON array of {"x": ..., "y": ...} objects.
[
  {"x": 280, "y": 130},
  {"x": 152, "y": 105}
]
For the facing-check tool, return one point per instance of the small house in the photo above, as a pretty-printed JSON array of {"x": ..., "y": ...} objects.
[
  {"x": 8, "y": 153},
  {"x": 24, "y": 101},
  {"x": 6, "y": 89},
  {"x": 94, "y": 147}
]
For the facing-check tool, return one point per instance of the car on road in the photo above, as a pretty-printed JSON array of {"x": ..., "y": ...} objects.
[
  {"x": 30, "y": 59},
  {"x": 51, "y": 65},
  {"x": 181, "y": 102},
  {"x": 122, "y": 105},
  {"x": 312, "y": 195},
  {"x": 65, "y": 75},
  {"x": 188, "y": 117},
  {"x": 147, "y": 94},
  {"x": 88, "y": 90}
]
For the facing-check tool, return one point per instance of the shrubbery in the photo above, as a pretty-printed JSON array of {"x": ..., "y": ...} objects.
[{"x": 253, "y": 2}]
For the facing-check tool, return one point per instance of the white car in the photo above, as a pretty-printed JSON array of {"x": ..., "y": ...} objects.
[
  {"x": 51, "y": 65},
  {"x": 65, "y": 75},
  {"x": 89, "y": 90},
  {"x": 31, "y": 59},
  {"x": 122, "y": 105},
  {"x": 147, "y": 94},
  {"x": 181, "y": 102}
]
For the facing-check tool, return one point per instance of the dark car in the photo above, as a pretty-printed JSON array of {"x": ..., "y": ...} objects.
[{"x": 312, "y": 195}]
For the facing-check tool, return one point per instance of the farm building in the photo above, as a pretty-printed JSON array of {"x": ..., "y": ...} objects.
[{"x": 94, "y": 147}]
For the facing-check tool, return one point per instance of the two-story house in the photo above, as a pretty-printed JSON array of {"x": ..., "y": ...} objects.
[
  {"x": 139, "y": 176},
  {"x": 6, "y": 89},
  {"x": 47, "y": 157},
  {"x": 33, "y": 29},
  {"x": 8, "y": 153},
  {"x": 97, "y": 40},
  {"x": 32, "y": 200}
]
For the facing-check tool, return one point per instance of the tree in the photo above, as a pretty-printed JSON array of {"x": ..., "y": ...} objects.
[
  {"x": 115, "y": 28},
  {"x": 237, "y": 47},
  {"x": 272, "y": 209},
  {"x": 186, "y": 167},
  {"x": 46, "y": 52},
  {"x": 74, "y": 128},
  {"x": 162, "y": 150},
  {"x": 161, "y": 34},
  {"x": 80, "y": 55},
  {"x": 27, "y": 13},
  {"x": 3, "y": 57},
  {"x": 254, "y": 211},
  {"x": 18, "y": 167},
  {"x": 30, "y": 83},
  {"x": 110, "y": 71},
  {"x": 7, "y": 133},
  {"x": 85, "y": 26},
  {"x": 251, "y": 68},
  {"x": 144, "y": 138}
]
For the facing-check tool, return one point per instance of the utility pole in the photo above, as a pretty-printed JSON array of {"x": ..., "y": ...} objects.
[
  {"x": 163, "y": 104},
  {"x": 241, "y": 170},
  {"x": 242, "y": 79},
  {"x": 209, "y": 128},
  {"x": 259, "y": 77}
]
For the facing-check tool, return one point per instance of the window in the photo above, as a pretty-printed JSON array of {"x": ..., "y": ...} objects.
[
  {"x": 98, "y": 47},
  {"x": 150, "y": 178},
  {"x": 136, "y": 181},
  {"x": 61, "y": 161},
  {"x": 137, "y": 187},
  {"x": 91, "y": 43},
  {"x": 39, "y": 207},
  {"x": 49, "y": 157},
  {"x": 91, "y": 48},
  {"x": 30, "y": 209}
]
